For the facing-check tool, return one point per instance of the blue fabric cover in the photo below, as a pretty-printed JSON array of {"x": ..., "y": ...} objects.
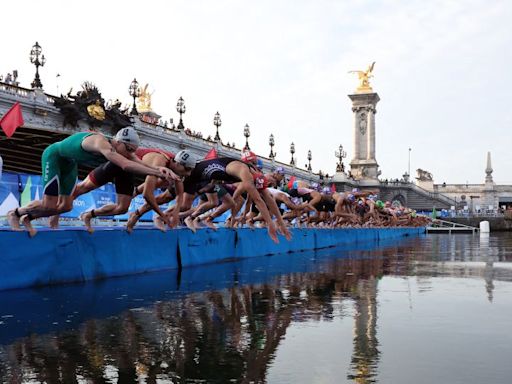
[{"x": 71, "y": 255}]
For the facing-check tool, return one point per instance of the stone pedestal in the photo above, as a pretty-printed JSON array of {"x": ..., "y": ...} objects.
[
  {"x": 489, "y": 199},
  {"x": 364, "y": 163},
  {"x": 427, "y": 185},
  {"x": 340, "y": 177}
]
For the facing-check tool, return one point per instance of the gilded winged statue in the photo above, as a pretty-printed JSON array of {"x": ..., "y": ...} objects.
[
  {"x": 364, "y": 76},
  {"x": 144, "y": 100}
]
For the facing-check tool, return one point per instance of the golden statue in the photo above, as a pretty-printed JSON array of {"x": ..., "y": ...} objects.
[
  {"x": 96, "y": 111},
  {"x": 364, "y": 76},
  {"x": 144, "y": 100}
]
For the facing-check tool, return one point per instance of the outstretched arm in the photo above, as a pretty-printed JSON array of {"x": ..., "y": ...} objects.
[
  {"x": 151, "y": 183},
  {"x": 274, "y": 209},
  {"x": 99, "y": 144}
]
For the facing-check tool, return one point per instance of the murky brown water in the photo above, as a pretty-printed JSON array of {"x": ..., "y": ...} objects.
[{"x": 434, "y": 309}]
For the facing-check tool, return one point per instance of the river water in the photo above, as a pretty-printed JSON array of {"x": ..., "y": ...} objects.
[{"x": 430, "y": 309}]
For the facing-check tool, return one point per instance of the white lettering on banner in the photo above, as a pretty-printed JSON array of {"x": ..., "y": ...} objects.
[
  {"x": 78, "y": 203},
  {"x": 104, "y": 200}
]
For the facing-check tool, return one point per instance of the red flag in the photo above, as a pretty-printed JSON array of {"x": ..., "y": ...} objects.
[
  {"x": 12, "y": 120},
  {"x": 212, "y": 154},
  {"x": 333, "y": 188},
  {"x": 290, "y": 183}
]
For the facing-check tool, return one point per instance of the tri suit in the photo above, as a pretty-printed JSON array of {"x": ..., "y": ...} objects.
[{"x": 59, "y": 164}]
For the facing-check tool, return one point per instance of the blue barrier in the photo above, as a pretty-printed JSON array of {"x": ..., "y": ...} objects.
[
  {"x": 41, "y": 310},
  {"x": 205, "y": 246},
  {"x": 71, "y": 255},
  {"x": 63, "y": 256}
]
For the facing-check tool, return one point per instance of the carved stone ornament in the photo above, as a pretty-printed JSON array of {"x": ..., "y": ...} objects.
[
  {"x": 363, "y": 122},
  {"x": 88, "y": 105},
  {"x": 424, "y": 175}
]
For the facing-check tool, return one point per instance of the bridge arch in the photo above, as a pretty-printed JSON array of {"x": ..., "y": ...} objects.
[{"x": 401, "y": 198}]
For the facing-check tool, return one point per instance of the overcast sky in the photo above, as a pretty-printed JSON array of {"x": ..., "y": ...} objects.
[{"x": 442, "y": 71}]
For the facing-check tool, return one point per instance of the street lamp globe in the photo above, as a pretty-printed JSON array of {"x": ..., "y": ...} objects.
[
  {"x": 35, "y": 52},
  {"x": 271, "y": 142},
  {"x": 247, "y": 133},
  {"x": 292, "y": 151},
  {"x": 217, "y": 122},
  {"x": 180, "y": 107},
  {"x": 134, "y": 91},
  {"x": 340, "y": 155}
]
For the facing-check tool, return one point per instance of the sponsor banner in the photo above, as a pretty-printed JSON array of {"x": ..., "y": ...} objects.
[
  {"x": 9, "y": 193},
  {"x": 20, "y": 189}
]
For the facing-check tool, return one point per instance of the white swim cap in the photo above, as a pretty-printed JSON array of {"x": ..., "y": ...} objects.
[
  {"x": 279, "y": 170},
  {"x": 129, "y": 136},
  {"x": 185, "y": 158}
]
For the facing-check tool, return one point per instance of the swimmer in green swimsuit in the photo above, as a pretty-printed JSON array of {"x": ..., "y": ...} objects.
[{"x": 59, "y": 165}]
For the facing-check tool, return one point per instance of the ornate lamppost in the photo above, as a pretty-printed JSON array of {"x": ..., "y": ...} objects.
[
  {"x": 409, "y": 163},
  {"x": 180, "y": 107},
  {"x": 247, "y": 133},
  {"x": 310, "y": 157},
  {"x": 271, "y": 142},
  {"x": 134, "y": 91},
  {"x": 292, "y": 151},
  {"x": 217, "y": 122},
  {"x": 34, "y": 59},
  {"x": 340, "y": 155}
]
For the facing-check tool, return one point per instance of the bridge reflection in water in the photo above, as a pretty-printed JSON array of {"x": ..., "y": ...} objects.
[{"x": 217, "y": 323}]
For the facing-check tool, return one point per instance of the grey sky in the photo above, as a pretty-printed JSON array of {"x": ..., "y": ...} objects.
[{"x": 281, "y": 66}]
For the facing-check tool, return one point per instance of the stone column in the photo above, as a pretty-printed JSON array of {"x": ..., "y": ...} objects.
[
  {"x": 363, "y": 164},
  {"x": 488, "y": 169},
  {"x": 356, "y": 137},
  {"x": 489, "y": 191},
  {"x": 371, "y": 135}
]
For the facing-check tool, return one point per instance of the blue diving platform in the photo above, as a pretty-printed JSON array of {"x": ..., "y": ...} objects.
[{"x": 73, "y": 255}]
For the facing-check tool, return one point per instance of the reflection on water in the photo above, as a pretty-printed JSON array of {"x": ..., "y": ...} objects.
[{"x": 423, "y": 310}]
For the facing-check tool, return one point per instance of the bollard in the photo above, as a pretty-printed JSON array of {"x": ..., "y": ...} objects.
[{"x": 484, "y": 227}]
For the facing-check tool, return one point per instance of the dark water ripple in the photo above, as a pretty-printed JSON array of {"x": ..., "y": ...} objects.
[{"x": 433, "y": 309}]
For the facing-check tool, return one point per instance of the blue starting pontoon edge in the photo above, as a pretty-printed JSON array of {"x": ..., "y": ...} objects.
[{"x": 73, "y": 255}]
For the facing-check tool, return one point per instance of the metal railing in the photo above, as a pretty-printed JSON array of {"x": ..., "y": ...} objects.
[
  {"x": 468, "y": 214},
  {"x": 444, "y": 226},
  {"x": 435, "y": 195},
  {"x": 15, "y": 90}
]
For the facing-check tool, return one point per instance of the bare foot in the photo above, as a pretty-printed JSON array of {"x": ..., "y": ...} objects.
[
  {"x": 190, "y": 224},
  {"x": 197, "y": 223},
  {"x": 173, "y": 222},
  {"x": 28, "y": 225},
  {"x": 159, "y": 223},
  {"x": 209, "y": 224},
  {"x": 283, "y": 230},
  {"x": 53, "y": 222},
  {"x": 272, "y": 232},
  {"x": 86, "y": 217},
  {"x": 132, "y": 220},
  {"x": 14, "y": 221}
]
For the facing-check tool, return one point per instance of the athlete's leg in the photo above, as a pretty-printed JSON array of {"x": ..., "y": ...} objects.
[
  {"x": 49, "y": 206},
  {"x": 120, "y": 207}
]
